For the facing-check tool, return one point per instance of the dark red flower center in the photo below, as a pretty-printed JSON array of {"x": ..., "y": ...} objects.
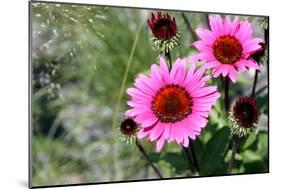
[
  {"x": 128, "y": 126},
  {"x": 227, "y": 49},
  {"x": 172, "y": 103},
  {"x": 163, "y": 26},
  {"x": 246, "y": 112}
]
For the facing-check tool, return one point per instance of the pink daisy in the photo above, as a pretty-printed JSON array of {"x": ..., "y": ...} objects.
[
  {"x": 226, "y": 49},
  {"x": 171, "y": 105}
]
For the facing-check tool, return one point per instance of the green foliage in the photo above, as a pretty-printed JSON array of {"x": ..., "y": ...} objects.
[{"x": 214, "y": 151}]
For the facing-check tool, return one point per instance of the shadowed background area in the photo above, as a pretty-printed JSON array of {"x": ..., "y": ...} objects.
[{"x": 79, "y": 57}]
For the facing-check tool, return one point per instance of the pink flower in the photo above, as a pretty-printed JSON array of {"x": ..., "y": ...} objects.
[
  {"x": 226, "y": 49},
  {"x": 171, "y": 105}
]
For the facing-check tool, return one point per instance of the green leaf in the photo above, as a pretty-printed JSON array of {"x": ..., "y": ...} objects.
[
  {"x": 262, "y": 103},
  {"x": 262, "y": 144},
  {"x": 249, "y": 156},
  {"x": 155, "y": 157},
  {"x": 248, "y": 142},
  {"x": 177, "y": 161},
  {"x": 215, "y": 150},
  {"x": 255, "y": 167}
]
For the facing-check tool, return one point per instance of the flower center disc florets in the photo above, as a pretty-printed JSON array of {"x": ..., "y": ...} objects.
[
  {"x": 245, "y": 112},
  {"x": 227, "y": 49},
  {"x": 128, "y": 127},
  {"x": 172, "y": 103}
]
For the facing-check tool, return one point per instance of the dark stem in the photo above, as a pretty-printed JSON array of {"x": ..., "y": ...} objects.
[
  {"x": 168, "y": 56},
  {"x": 226, "y": 94},
  {"x": 141, "y": 149},
  {"x": 194, "y": 158},
  {"x": 190, "y": 155},
  {"x": 207, "y": 20},
  {"x": 235, "y": 146},
  {"x": 266, "y": 38},
  {"x": 255, "y": 83},
  {"x": 194, "y": 36}
]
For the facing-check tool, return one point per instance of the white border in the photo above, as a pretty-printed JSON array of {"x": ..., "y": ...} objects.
[{"x": 14, "y": 92}]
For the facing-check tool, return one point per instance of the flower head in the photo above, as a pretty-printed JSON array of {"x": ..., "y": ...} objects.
[
  {"x": 128, "y": 129},
  {"x": 243, "y": 116},
  {"x": 164, "y": 30},
  {"x": 227, "y": 47},
  {"x": 171, "y": 105}
]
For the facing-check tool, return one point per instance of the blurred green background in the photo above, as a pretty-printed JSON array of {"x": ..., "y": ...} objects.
[{"x": 79, "y": 59}]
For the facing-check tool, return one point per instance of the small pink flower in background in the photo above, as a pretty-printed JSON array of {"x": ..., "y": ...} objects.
[
  {"x": 226, "y": 49},
  {"x": 171, "y": 105}
]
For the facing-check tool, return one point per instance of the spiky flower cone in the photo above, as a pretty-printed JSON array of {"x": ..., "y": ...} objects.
[
  {"x": 243, "y": 117},
  {"x": 165, "y": 33}
]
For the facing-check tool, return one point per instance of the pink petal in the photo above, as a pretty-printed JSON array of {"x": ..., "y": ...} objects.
[
  {"x": 177, "y": 127},
  {"x": 146, "y": 119},
  {"x": 220, "y": 25},
  {"x": 232, "y": 74},
  {"x": 252, "y": 46},
  {"x": 227, "y": 25},
  {"x": 244, "y": 32},
  {"x": 191, "y": 133},
  {"x": 204, "y": 91},
  {"x": 214, "y": 26},
  {"x": 149, "y": 122},
  {"x": 185, "y": 141},
  {"x": 160, "y": 143},
  {"x": 192, "y": 59},
  {"x": 189, "y": 74},
  {"x": 145, "y": 84},
  {"x": 143, "y": 133},
  {"x": 137, "y": 93},
  {"x": 156, "y": 76},
  {"x": 240, "y": 65},
  {"x": 135, "y": 104},
  {"x": 129, "y": 113},
  {"x": 213, "y": 64},
  {"x": 167, "y": 130},
  {"x": 206, "y": 56},
  {"x": 250, "y": 63},
  {"x": 224, "y": 70},
  {"x": 181, "y": 74},
  {"x": 203, "y": 47},
  {"x": 164, "y": 69},
  {"x": 157, "y": 130},
  {"x": 234, "y": 26},
  {"x": 217, "y": 71},
  {"x": 206, "y": 35},
  {"x": 174, "y": 69}
]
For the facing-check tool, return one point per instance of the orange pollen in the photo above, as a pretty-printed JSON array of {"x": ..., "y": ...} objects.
[
  {"x": 172, "y": 103},
  {"x": 227, "y": 49}
]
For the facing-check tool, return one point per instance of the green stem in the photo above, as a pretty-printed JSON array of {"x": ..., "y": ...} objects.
[
  {"x": 120, "y": 95},
  {"x": 190, "y": 156},
  {"x": 207, "y": 20},
  {"x": 194, "y": 157},
  {"x": 141, "y": 149},
  {"x": 255, "y": 83},
  {"x": 168, "y": 56},
  {"x": 193, "y": 34},
  {"x": 226, "y": 94},
  {"x": 235, "y": 146}
]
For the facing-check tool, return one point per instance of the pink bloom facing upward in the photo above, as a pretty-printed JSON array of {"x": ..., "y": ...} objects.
[
  {"x": 171, "y": 105},
  {"x": 226, "y": 49}
]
